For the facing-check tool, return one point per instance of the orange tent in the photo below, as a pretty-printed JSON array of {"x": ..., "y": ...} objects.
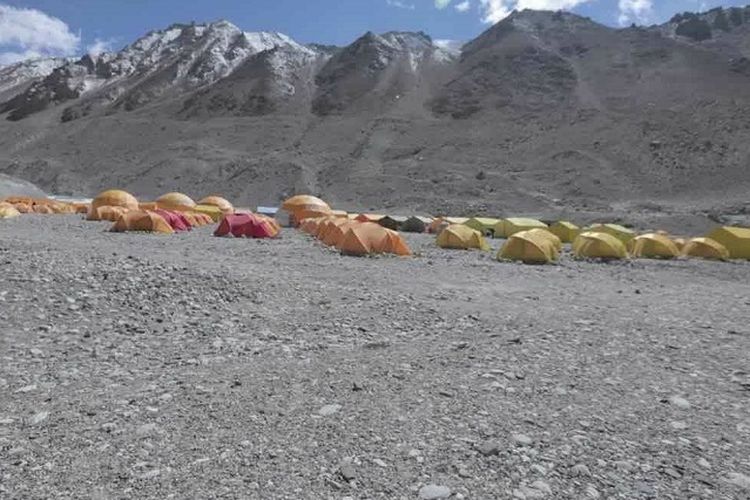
[
  {"x": 175, "y": 201},
  {"x": 217, "y": 201},
  {"x": 42, "y": 209},
  {"x": 115, "y": 198},
  {"x": 369, "y": 217},
  {"x": 336, "y": 232},
  {"x": 106, "y": 213},
  {"x": 140, "y": 220},
  {"x": 304, "y": 206},
  {"x": 82, "y": 208},
  {"x": 370, "y": 238}
]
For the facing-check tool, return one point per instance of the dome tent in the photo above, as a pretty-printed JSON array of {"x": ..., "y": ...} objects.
[
  {"x": 175, "y": 202},
  {"x": 303, "y": 206},
  {"x": 735, "y": 239},
  {"x": 369, "y": 238},
  {"x": 141, "y": 221},
  {"x": 106, "y": 213},
  {"x": 247, "y": 225},
  {"x": 512, "y": 225},
  {"x": 437, "y": 225},
  {"x": 461, "y": 237},
  {"x": 705, "y": 248},
  {"x": 176, "y": 220},
  {"x": 653, "y": 246},
  {"x": 485, "y": 225},
  {"x": 566, "y": 231},
  {"x": 531, "y": 247},
  {"x": 598, "y": 246},
  {"x": 620, "y": 232},
  {"x": 115, "y": 198},
  {"x": 217, "y": 201}
]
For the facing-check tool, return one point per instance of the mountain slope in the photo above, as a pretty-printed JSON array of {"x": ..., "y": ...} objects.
[{"x": 544, "y": 112}]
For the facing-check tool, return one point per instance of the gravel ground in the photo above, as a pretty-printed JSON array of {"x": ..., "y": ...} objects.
[{"x": 187, "y": 366}]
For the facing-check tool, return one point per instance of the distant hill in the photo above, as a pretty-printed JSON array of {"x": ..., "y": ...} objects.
[{"x": 544, "y": 111}]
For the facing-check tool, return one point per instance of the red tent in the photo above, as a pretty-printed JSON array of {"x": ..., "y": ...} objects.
[
  {"x": 244, "y": 224},
  {"x": 176, "y": 221}
]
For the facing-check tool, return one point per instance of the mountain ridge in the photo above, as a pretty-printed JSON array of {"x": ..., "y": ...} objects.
[{"x": 544, "y": 111}]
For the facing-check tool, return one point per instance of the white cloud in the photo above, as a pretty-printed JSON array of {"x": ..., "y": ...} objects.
[
  {"x": 441, "y": 4},
  {"x": 400, "y": 5},
  {"x": 30, "y": 33},
  {"x": 99, "y": 46},
  {"x": 634, "y": 11},
  {"x": 463, "y": 6},
  {"x": 497, "y": 10}
]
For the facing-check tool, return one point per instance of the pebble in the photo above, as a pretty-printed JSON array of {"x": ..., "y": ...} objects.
[
  {"x": 679, "y": 402},
  {"x": 739, "y": 479},
  {"x": 489, "y": 448},
  {"x": 379, "y": 463},
  {"x": 678, "y": 425},
  {"x": 434, "y": 491},
  {"x": 329, "y": 410},
  {"x": 592, "y": 492},
  {"x": 39, "y": 417},
  {"x": 580, "y": 470},
  {"x": 522, "y": 440},
  {"x": 348, "y": 472}
]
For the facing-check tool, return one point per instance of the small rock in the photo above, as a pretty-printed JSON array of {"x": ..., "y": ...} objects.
[
  {"x": 580, "y": 470},
  {"x": 434, "y": 491},
  {"x": 146, "y": 429},
  {"x": 329, "y": 410},
  {"x": 379, "y": 463},
  {"x": 522, "y": 439},
  {"x": 678, "y": 425},
  {"x": 592, "y": 492},
  {"x": 704, "y": 463},
  {"x": 739, "y": 479},
  {"x": 39, "y": 417},
  {"x": 542, "y": 486},
  {"x": 348, "y": 472},
  {"x": 489, "y": 448},
  {"x": 150, "y": 474},
  {"x": 679, "y": 402},
  {"x": 25, "y": 389}
]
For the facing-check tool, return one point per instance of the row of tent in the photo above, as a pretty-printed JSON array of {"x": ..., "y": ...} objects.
[
  {"x": 539, "y": 245},
  {"x": 354, "y": 237}
]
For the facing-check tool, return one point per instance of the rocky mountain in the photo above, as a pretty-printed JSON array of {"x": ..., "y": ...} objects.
[
  {"x": 16, "y": 78},
  {"x": 543, "y": 112}
]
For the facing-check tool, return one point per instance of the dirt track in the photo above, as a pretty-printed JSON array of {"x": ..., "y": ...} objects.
[{"x": 138, "y": 366}]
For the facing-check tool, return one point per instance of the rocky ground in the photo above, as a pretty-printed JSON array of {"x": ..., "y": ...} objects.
[{"x": 139, "y": 366}]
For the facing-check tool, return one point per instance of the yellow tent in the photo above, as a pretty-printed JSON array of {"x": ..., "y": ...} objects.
[
  {"x": 531, "y": 247},
  {"x": 461, "y": 237},
  {"x": 653, "y": 246},
  {"x": 705, "y": 248},
  {"x": 485, "y": 225},
  {"x": 440, "y": 223},
  {"x": 566, "y": 231},
  {"x": 8, "y": 211},
  {"x": 217, "y": 201},
  {"x": 556, "y": 242},
  {"x": 735, "y": 239},
  {"x": 620, "y": 232},
  {"x": 512, "y": 225},
  {"x": 598, "y": 246},
  {"x": 212, "y": 211},
  {"x": 679, "y": 243},
  {"x": 115, "y": 198},
  {"x": 176, "y": 201}
]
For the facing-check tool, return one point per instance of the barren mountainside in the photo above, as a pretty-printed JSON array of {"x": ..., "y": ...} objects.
[{"x": 543, "y": 112}]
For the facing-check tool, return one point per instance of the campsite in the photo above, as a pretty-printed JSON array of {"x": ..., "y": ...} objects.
[{"x": 281, "y": 365}]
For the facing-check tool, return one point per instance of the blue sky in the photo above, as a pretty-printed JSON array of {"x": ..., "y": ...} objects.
[{"x": 30, "y": 28}]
